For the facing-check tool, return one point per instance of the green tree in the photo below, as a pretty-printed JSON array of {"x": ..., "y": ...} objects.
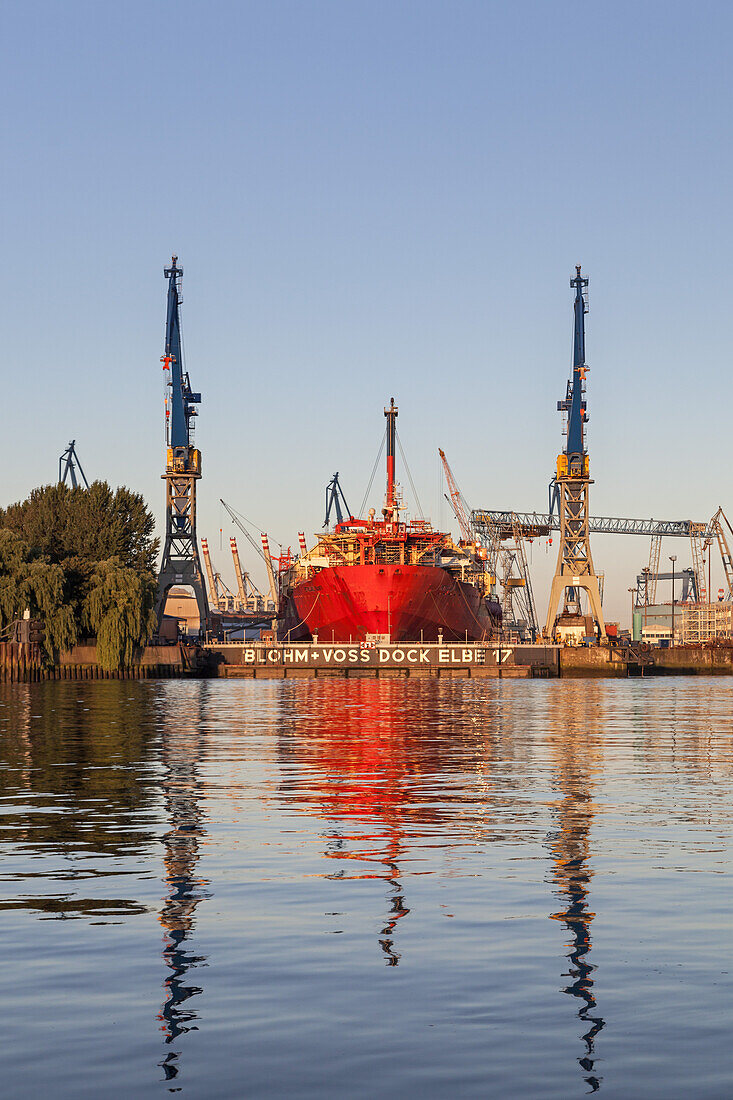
[
  {"x": 82, "y": 560},
  {"x": 92, "y": 524}
]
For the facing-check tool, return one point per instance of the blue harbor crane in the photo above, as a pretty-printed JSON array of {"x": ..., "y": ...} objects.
[
  {"x": 334, "y": 498},
  {"x": 180, "y": 563},
  {"x": 68, "y": 465},
  {"x": 574, "y": 572}
]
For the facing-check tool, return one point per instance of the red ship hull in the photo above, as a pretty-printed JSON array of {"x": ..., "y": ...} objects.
[{"x": 406, "y": 602}]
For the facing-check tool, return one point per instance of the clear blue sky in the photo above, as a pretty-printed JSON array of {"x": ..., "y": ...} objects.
[{"x": 372, "y": 199}]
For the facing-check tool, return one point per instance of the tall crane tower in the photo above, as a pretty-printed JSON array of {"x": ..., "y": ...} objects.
[
  {"x": 180, "y": 563},
  {"x": 574, "y": 572}
]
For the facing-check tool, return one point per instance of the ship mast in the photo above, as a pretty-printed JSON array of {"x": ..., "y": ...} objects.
[{"x": 392, "y": 509}]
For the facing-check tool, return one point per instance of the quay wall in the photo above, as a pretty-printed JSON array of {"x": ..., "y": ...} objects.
[
  {"x": 690, "y": 660},
  {"x": 25, "y": 662},
  {"x": 590, "y": 661},
  {"x": 694, "y": 660}
]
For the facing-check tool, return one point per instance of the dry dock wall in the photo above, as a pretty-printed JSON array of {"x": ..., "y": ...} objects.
[{"x": 283, "y": 661}]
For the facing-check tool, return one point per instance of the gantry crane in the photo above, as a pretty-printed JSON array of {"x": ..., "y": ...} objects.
[
  {"x": 653, "y": 569},
  {"x": 512, "y": 569},
  {"x": 180, "y": 563},
  {"x": 702, "y": 536},
  {"x": 569, "y": 490}
]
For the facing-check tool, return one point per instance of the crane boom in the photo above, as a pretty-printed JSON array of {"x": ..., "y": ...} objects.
[
  {"x": 180, "y": 429},
  {"x": 235, "y": 519},
  {"x": 456, "y": 500},
  {"x": 241, "y": 582},
  {"x": 270, "y": 570},
  {"x": 213, "y": 592}
]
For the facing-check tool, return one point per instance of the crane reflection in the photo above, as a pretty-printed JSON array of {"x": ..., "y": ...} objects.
[
  {"x": 576, "y": 761},
  {"x": 182, "y": 749}
]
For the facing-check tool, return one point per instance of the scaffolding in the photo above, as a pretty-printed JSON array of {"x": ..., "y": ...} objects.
[{"x": 702, "y": 622}]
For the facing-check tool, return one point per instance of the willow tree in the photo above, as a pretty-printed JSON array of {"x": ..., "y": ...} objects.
[
  {"x": 118, "y": 609},
  {"x": 36, "y": 587}
]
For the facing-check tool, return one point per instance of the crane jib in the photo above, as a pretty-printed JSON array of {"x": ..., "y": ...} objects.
[{"x": 182, "y": 398}]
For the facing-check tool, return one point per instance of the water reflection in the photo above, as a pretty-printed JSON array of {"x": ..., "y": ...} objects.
[
  {"x": 514, "y": 803},
  {"x": 82, "y": 810},
  {"x": 382, "y": 765},
  {"x": 72, "y": 759},
  {"x": 388, "y": 768},
  {"x": 372, "y": 770},
  {"x": 182, "y": 750},
  {"x": 576, "y": 759}
]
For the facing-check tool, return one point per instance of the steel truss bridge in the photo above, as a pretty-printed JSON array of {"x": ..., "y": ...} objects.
[{"x": 537, "y": 524}]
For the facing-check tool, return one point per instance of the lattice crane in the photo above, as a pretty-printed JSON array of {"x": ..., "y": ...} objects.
[
  {"x": 725, "y": 555},
  {"x": 574, "y": 572},
  {"x": 181, "y": 563}
]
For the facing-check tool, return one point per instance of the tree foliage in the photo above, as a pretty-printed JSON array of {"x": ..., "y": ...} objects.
[
  {"x": 118, "y": 609},
  {"x": 82, "y": 560},
  {"x": 93, "y": 524}
]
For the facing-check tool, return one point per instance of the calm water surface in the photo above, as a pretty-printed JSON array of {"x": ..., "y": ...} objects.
[{"x": 367, "y": 888}]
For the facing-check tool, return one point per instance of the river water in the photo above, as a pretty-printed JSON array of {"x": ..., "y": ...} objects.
[{"x": 367, "y": 888}]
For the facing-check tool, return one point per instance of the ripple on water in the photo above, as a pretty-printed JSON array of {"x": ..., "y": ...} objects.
[{"x": 319, "y": 888}]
